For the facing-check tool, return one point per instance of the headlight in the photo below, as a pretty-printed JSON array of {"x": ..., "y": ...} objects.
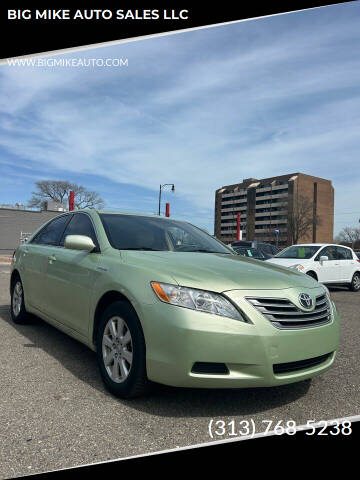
[
  {"x": 297, "y": 267},
  {"x": 194, "y": 299}
]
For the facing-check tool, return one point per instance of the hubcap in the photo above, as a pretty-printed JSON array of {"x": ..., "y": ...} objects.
[
  {"x": 17, "y": 299},
  {"x": 357, "y": 282},
  {"x": 117, "y": 349}
]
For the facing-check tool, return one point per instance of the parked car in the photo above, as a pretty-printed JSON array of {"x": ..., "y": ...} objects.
[
  {"x": 327, "y": 263},
  {"x": 357, "y": 254},
  {"x": 249, "y": 252},
  {"x": 266, "y": 249},
  {"x": 160, "y": 300}
]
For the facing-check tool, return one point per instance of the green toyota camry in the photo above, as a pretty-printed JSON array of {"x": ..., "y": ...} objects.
[{"x": 161, "y": 300}]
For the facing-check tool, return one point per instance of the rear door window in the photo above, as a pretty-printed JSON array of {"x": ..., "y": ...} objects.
[
  {"x": 344, "y": 253},
  {"x": 349, "y": 254},
  {"x": 50, "y": 234},
  {"x": 330, "y": 252},
  {"x": 341, "y": 253}
]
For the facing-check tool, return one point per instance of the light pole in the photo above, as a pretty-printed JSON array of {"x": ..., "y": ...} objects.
[{"x": 161, "y": 188}]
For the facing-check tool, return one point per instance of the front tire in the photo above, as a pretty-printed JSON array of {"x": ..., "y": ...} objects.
[
  {"x": 121, "y": 353},
  {"x": 19, "y": 314},
  {"x": 355, "y": 282}
]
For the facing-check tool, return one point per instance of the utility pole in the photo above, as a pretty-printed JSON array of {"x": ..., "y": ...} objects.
[
  {"x": 160, "y": 190},
  {"x": 71, "y": 200},
  {"x": 238, "y": 230}
]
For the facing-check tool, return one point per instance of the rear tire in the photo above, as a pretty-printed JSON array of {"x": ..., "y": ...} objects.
[
  {"x": 355, "y": 282},
  {"x": 19, "y": 314},
  {"x": 121, "y": 352}
]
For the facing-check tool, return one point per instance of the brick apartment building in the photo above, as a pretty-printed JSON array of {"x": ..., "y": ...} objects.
[{"x": 265, "y": 205}]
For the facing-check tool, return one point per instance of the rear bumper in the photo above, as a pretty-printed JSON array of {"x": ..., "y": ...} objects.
[{"x": 176, "y": 338}]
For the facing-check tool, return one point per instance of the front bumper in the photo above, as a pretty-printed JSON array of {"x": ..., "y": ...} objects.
[{"x": 176, "y": 338}]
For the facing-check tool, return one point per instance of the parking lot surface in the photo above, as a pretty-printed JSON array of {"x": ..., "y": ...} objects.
[{"x": 55, "y": 412}]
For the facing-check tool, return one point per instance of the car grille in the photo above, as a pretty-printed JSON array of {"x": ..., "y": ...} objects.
[
  {"x": 284, "y": 314},
  {"x": 300, "y": 365}
]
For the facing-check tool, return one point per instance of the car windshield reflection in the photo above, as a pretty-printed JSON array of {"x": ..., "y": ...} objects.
[{"x": 137, "y": 232}]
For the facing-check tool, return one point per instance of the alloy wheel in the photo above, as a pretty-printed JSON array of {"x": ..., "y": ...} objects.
[
  {"x": 117, "y": 349},
  {"x": 17, "y": 298},
  {"x": 356, "y": 282}
]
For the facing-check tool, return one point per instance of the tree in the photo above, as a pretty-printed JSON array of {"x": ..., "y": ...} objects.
[
  {"x": 349, "y": 235},
  {"x": 59, "y": 190},
  {"x": 86, "y": 198},
  {"x": 301, "y": 219}
]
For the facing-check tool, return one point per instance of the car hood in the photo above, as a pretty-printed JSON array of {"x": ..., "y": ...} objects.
[
  {"x": 217, "y": 272},
  {"x": 288, "y": 262}
]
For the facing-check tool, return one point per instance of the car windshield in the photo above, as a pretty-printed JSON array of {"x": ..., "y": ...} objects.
[
  {"x": 298, "y": 251},
  {"x": 136, "y": 232}
]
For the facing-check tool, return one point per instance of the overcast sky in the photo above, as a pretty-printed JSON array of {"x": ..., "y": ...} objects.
[{"x": 200, "y": 109}]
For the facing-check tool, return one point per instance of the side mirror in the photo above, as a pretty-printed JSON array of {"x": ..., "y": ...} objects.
[
  {"x": 79, "y": 242},
  {"x": 324, "y": 258}
]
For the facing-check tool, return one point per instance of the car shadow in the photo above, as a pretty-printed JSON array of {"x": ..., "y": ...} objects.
[
  {"x": 339, "y": 288},
  {"x": 190, "y": 402},
  {"x": 162, "y": 400},
  {"x": 73, "y": 355}
]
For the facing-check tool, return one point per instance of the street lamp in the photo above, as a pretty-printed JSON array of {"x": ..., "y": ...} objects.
[{"x": 161, "y": 188}]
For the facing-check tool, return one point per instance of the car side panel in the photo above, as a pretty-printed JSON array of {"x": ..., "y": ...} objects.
[
  {"x": 350, "y": 267},
  {"x": 329, "y": 271},
  {"x": 132, "y": 281},
  {"x": 70, "y": 276},
  {"x": 31, "y": 264}
]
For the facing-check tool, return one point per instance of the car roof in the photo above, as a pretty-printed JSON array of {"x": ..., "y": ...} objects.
[
  {"x": 311, "y": 244},
  {"x": 319, "y": 245},
  {"x": 116, "y": 212}
]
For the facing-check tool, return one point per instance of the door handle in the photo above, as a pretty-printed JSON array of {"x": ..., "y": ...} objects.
[{"x": 52, "y": 258}]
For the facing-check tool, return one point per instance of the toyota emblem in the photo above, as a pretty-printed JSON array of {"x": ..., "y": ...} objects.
[{"x": 305, "y": 300}]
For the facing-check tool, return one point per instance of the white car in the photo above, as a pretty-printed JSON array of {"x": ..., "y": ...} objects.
[{"x": 327, "y": 263}]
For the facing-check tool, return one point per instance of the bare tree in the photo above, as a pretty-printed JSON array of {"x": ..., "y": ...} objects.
[
  {"x": 301, "y": 219},
  {"x": 349, "y": 235},
  {"x": 54, "y": 190},
  {"x": 86, "y": 198},
  {"x": 59, "y": 190}
]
